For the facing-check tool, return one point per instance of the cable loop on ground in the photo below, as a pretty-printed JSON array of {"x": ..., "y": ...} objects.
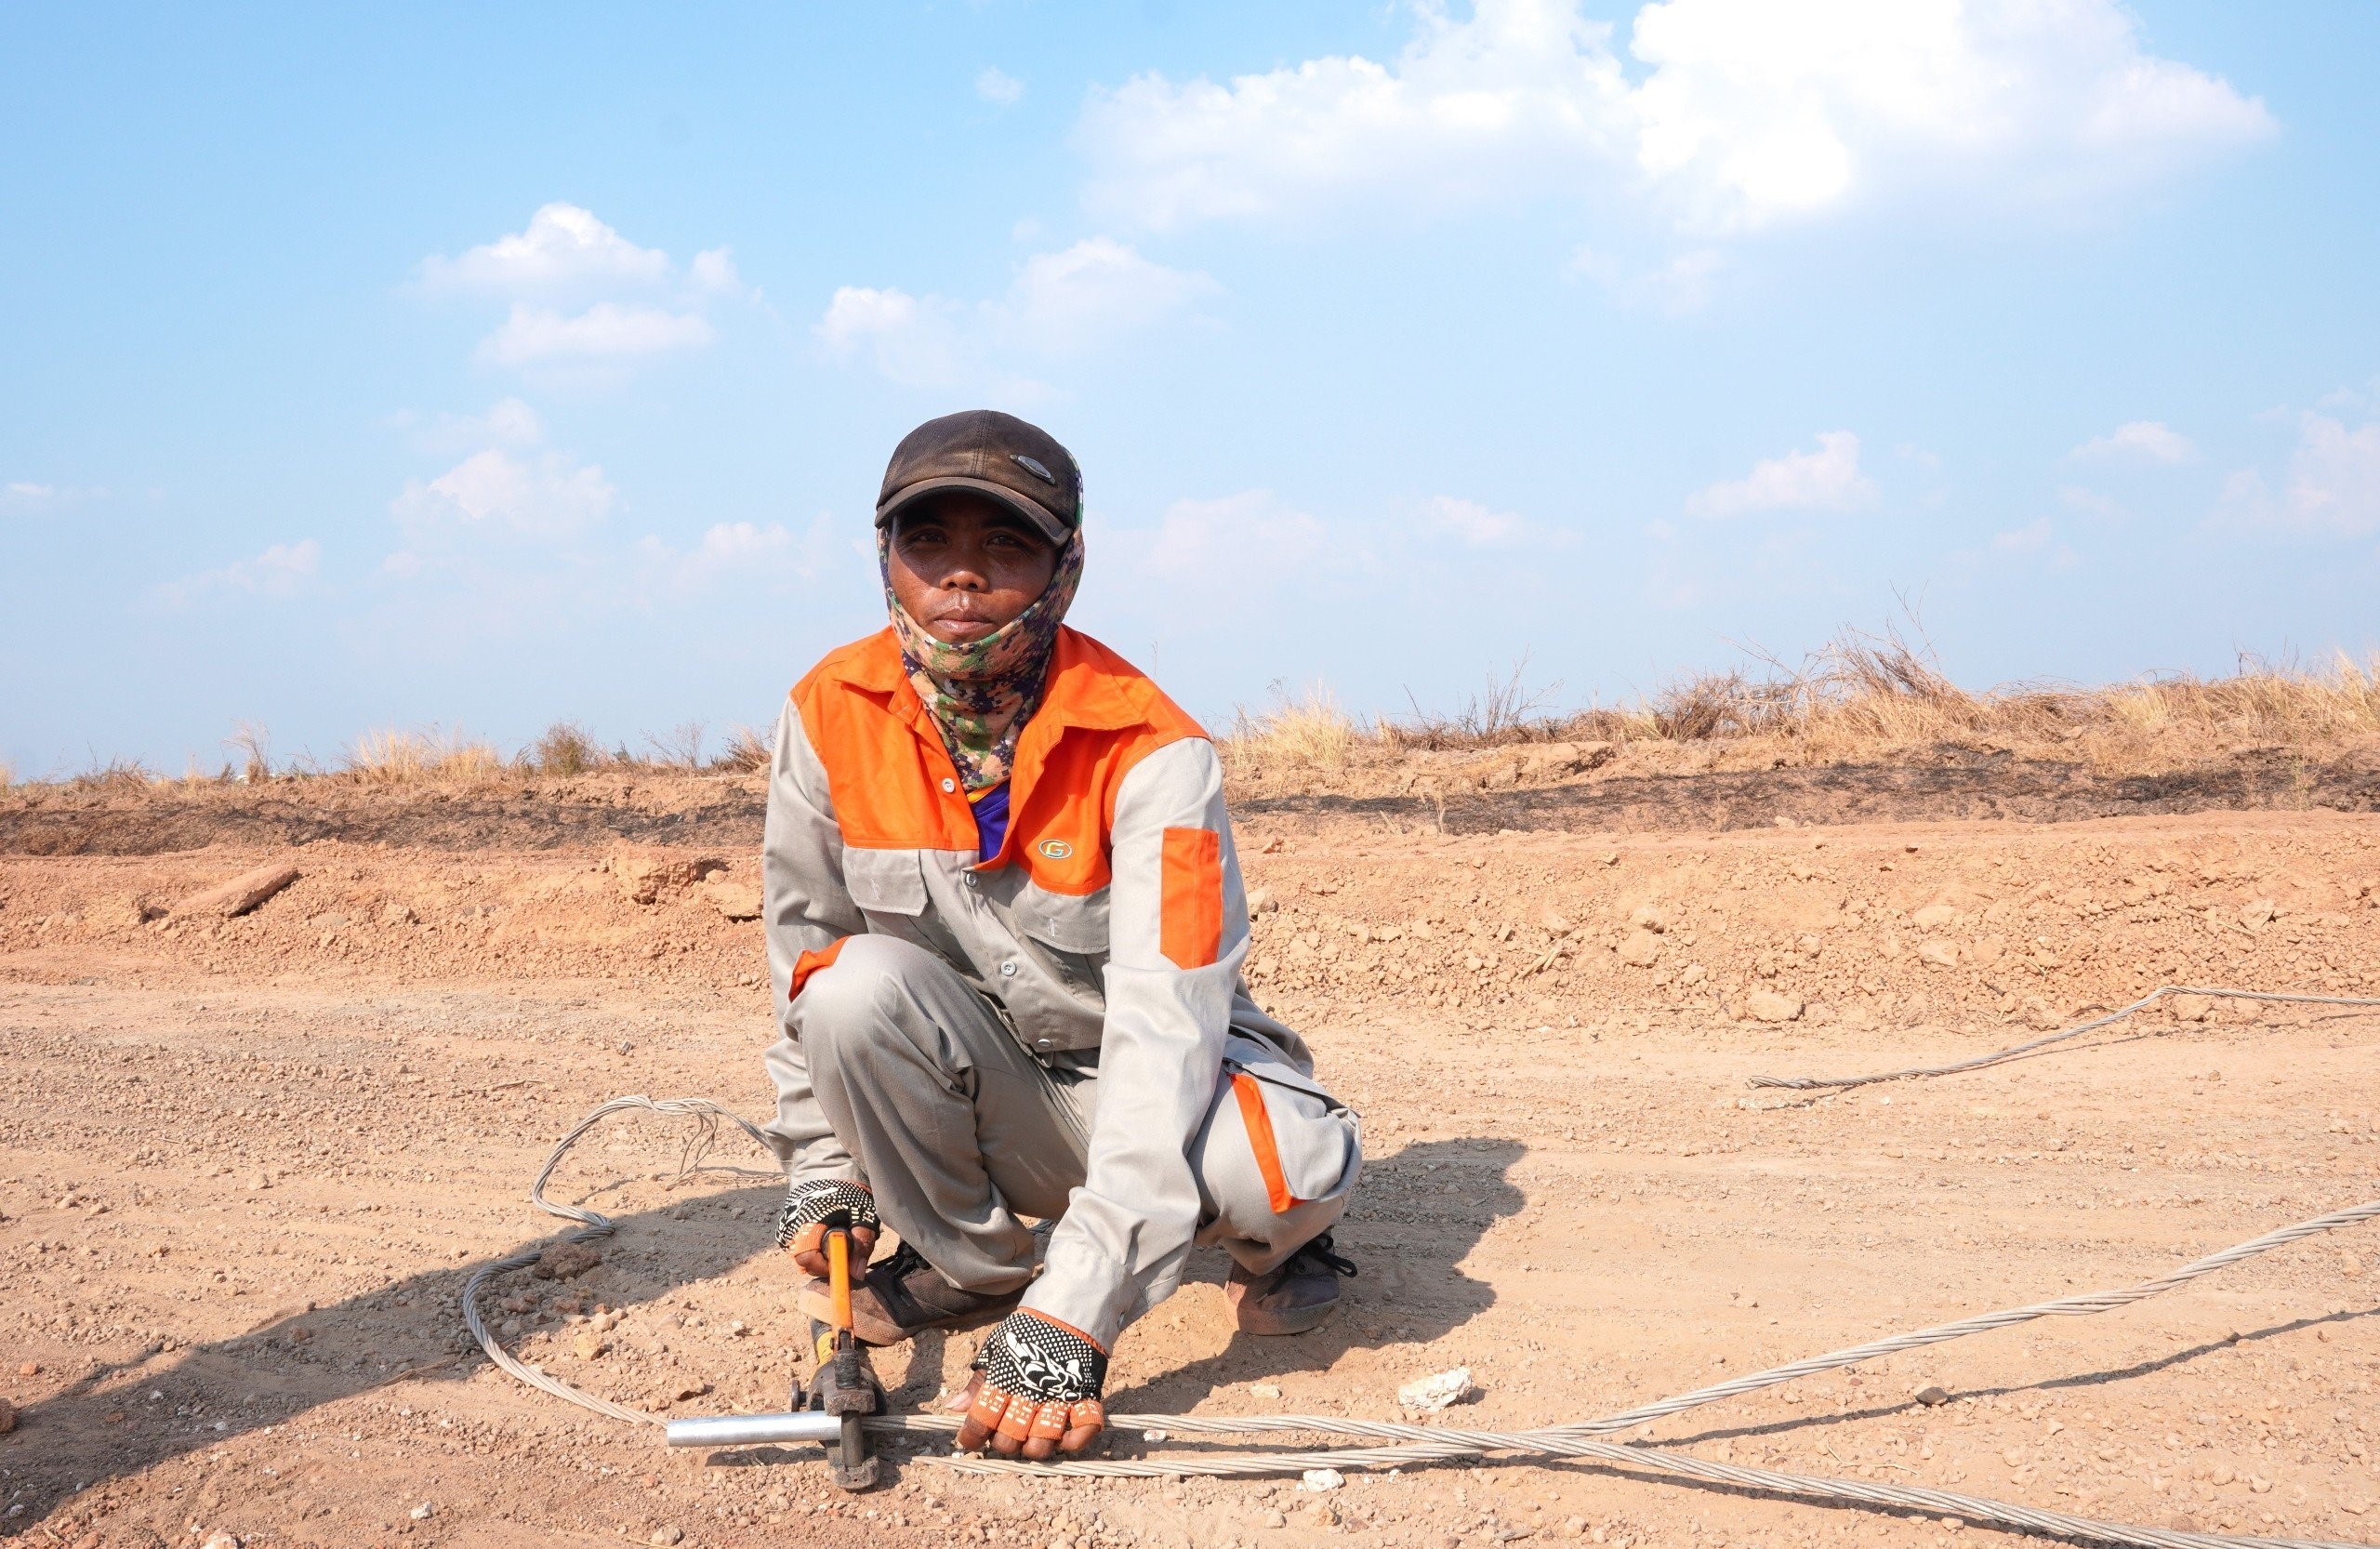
[
  {"x": 1422, "y": 1444},
  {"x": 1814, "y": 1084}
]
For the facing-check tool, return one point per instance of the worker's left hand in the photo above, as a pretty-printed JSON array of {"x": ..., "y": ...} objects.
[
  {"x": 815, "y": 1206},
  {"x": 1038, "y": 1391}
]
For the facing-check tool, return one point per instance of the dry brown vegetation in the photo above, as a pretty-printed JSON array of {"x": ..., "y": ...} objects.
[
  {"x": 1864, "y": 698},
  {"x": 1872, "y": 699}
]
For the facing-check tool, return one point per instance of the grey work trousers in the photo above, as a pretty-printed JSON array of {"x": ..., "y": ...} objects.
[{"x": 961, "y": 1133}]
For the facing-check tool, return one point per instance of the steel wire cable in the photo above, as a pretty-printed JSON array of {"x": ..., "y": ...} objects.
[
  {"x": 596, "y": 1226},
  {"x": 1812, "y": 1084},
  {"x": 1420, "y": 1444}
]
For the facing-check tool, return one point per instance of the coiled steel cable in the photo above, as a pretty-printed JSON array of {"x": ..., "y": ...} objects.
[{"x": 1419, "y": 1444}]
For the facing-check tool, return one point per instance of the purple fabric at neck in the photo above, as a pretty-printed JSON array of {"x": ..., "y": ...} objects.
[{"x": 991, "y": 819}]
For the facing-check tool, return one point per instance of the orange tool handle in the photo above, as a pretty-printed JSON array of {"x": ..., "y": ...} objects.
[{"x": 838, "y": 1275}]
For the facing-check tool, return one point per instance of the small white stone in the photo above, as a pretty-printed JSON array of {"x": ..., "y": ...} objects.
[
  {"x": 424, "y": 1512},
  {"x": 1262, "y": 1390},
  {"x": 1323, "y": 1478},
  {"x": 1437, "y": 1390}
]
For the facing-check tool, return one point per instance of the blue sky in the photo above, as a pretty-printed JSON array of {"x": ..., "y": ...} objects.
[{"x": 489, "y": 366}]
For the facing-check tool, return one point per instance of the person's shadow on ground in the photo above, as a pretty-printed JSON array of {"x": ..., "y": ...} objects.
[
  {"x": 1416, "y": 1215},
  {"x": 127, "y": 1416}
]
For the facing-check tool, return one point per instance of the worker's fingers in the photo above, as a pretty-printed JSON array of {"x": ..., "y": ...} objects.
[
  {"x": 983, "y": 1417},
  {"x": 1085, "y": 1419},
  {"x": 809, "y": 1249},
  {"x": 964, "y": 1399},
  {"x": 1016, "y": 1426}
]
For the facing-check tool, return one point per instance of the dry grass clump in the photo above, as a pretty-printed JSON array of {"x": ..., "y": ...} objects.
[
  {"x": 390, "y": 757},
  {"x": 749, "y": 751},
  {"x": 564, "y": 749},
  {"x": 253, "y": 743},
  {"x": 1310, "y": 731}
]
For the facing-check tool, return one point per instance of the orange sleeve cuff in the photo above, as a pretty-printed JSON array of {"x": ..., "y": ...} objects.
[{"x": 810, "y": 963}]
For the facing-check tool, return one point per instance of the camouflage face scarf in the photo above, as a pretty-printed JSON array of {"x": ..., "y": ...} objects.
[{"x": 980, "y": 694}]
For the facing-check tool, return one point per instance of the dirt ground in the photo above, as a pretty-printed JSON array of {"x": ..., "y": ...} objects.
[{"x": 245, "y": 1166}]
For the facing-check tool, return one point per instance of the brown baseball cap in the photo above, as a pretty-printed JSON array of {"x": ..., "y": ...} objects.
[{"x": 990, "y": 453}]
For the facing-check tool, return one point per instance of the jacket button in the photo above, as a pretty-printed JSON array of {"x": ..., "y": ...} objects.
[
  {"x": 1008, "y": 970},
  {"x": 948, "y": 783},
  {"x": 972, "y": 881},
  {"x": 1042, "y": 1042}
]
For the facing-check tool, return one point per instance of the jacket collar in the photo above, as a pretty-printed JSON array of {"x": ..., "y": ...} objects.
[{"x": 1088, "y": 687}]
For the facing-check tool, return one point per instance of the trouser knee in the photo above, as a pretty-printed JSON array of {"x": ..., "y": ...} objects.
[
  {"x": 853, "y": 1002},
  {"x": 1277, "y": 1165}
]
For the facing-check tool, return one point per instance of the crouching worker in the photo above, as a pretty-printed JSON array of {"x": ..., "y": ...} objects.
[{"x": 1006, "y": 925}]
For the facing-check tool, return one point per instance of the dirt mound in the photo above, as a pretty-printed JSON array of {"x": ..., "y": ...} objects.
[
  {"x": 1520, "y": 788},
  {"x": 717, "y": 813},
  {"x": 1961, "y": 786}
]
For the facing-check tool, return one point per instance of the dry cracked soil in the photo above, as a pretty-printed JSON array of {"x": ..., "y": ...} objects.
[{"x": 247, "y": 1164}]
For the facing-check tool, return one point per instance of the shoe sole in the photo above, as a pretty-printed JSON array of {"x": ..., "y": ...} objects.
[{"x": 1270, "y": 1325}]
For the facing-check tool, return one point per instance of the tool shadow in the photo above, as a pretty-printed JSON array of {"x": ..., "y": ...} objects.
[{"x": 1416, "y": 1216}]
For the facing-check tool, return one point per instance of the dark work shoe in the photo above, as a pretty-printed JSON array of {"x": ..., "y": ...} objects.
[
  {"x": 1294, "y": 1297},
  {"x": 904, "y": 1296}
]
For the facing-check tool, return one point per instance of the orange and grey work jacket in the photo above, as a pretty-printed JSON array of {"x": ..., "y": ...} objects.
[{"x": 1107, "y": 931}]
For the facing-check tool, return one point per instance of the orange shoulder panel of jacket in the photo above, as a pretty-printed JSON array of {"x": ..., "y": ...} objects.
[
  {"x": 873, "y": 663},
  {"x": 1091, "y": 686},
  {"x": 890, "y": 780},
  {"x": 1100, "y": 717}
]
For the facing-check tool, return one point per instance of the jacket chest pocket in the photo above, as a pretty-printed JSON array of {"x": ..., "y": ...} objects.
[
  {"x": 889, "y": 883},
  {"x": 1071, "y": 931}
]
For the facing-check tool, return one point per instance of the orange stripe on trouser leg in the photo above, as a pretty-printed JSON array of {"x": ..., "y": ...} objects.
[
  {"x": 1254, "y": 1118},
  {"x": 812, "y": 963},
  {"x": 1191, "y": 929}
]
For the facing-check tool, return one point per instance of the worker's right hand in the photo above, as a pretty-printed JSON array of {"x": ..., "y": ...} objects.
[
  {"x": 1037, "y": 1390},
  {"x": 817, "y": 1205}
]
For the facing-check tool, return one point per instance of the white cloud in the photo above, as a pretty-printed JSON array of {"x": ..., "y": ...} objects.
[
  {"x": 1475, "y": 526},
  {"x": 507, "y": 422},
  {"x": 2333, "y": 489},
  {"x": 996, "y": 86},
  {"x": 1091, "y": 293},
  {"x": 914, "y": 342},
  {"x": 546, "y": 496},
  {"x": 1828, "y": 480},
  {"x": 732, "y": 552},
  {"x": 1243, "y": 538},
  {"x": 1748, "y": 112},
  {"x": 606, "y": 331},
  {"x": 29, "y": 495},
  {"x": 1072, "y": 302},
  {"x": 714, "y": 270},
  {"x": 2140, "y": 441},
  {"x": 2090, "y": 502},
  {"x": 564, "y": 245},
  {"x": 283, "y": 570},
  {"x": 2030, "y": 539}
]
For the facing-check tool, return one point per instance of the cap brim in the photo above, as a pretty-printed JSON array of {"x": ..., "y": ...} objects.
[{"x": 1050, "y": 525}]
